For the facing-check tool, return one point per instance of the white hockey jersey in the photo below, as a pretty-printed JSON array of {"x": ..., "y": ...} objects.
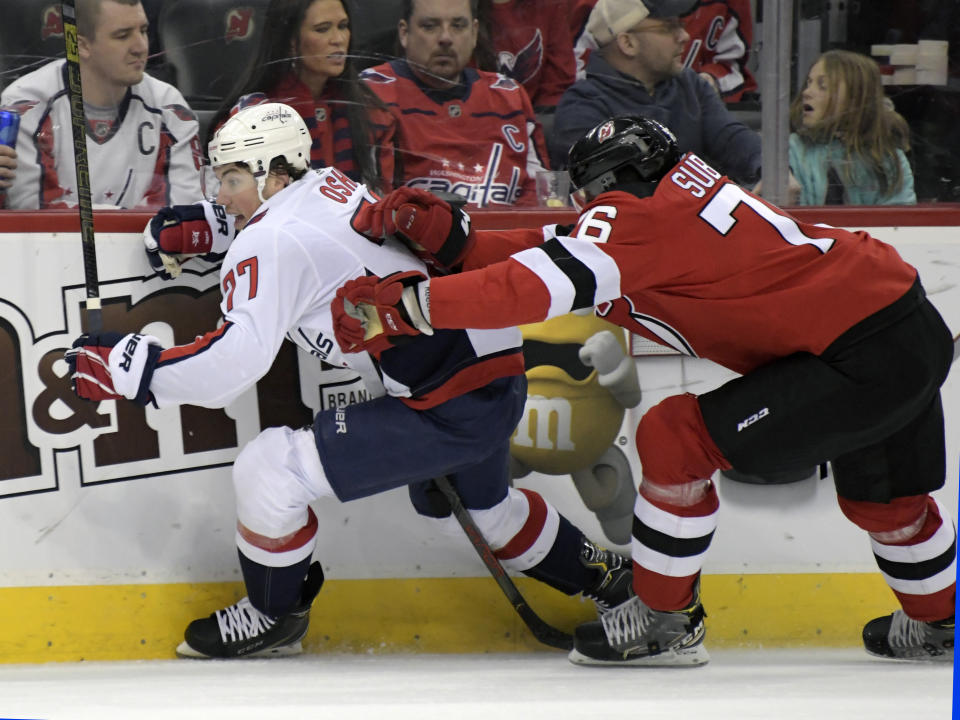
[
  {"x": 278, "y": 280},
  {"x": 150, "y": 157}
]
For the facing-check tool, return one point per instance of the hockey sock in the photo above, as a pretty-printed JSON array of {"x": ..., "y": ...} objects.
[
  {"x": 914, "y": 543},
  {"x": 672, "y": 530},
  {"x": 561, "y": 568},
  {"x": 274, "y": 590}
]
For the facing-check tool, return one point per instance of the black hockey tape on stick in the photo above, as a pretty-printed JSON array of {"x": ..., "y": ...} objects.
[
  {"x": 545, "y": 633},
  {"x": 94, "y": 318}
]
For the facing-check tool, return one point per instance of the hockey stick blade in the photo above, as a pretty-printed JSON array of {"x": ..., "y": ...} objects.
[{"x": 542, "y": 631}]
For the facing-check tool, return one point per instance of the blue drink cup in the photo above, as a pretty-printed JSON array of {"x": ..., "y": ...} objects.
[{"x": 9, "y": 127}]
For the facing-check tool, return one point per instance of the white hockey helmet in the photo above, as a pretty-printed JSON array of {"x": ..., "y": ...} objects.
[{"x": 257, "y": 135}]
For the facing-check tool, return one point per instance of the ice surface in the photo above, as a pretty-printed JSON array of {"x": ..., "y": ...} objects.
[{"x": 767, "y": 684}]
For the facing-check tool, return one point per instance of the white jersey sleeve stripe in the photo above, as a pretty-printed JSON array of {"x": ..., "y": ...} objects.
[
  {"x": 605, "y": 270},
  {"x": 577, "y": 273},
  {"x": 561, "y": 288}
]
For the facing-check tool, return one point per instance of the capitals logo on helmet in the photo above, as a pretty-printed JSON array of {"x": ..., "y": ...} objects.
[{"x": 569, "y": 419}]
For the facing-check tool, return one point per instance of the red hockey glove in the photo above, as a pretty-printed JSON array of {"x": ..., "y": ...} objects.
[
  {"x": 370, "y": 313},
  {"x": 109, "y": 366},
  {"x": 437, "y": 231},
  {"x": 178, "y": 233}
]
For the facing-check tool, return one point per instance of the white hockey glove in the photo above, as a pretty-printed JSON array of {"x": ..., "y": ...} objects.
[{"x": 108, "y": 366}]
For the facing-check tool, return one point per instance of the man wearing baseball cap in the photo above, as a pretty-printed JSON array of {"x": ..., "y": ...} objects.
[{"x": 638, "y": 69}]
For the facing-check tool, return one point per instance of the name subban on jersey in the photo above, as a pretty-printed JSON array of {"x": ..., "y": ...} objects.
[{"x": 695, "y": 175}]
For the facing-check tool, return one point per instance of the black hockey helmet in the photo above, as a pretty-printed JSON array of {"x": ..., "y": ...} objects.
[{"x": 597, "y": 160}]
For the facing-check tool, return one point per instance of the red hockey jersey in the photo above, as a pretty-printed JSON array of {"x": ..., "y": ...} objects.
[
  {"x": 702, "y": 266},
  {"x": 721, "y": 33},
  {"x": 479, "y": 139}
]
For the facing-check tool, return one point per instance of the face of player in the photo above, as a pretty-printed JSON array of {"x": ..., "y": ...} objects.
[
  {"x": 439, "y": 40},
  {"x": 658, "y": 45},
  {"x": 816, "y": 95},
  {"x": 238, "y": 191},
  {"x": 322, "y": 42},
  {"x": 117, "y": 54}
]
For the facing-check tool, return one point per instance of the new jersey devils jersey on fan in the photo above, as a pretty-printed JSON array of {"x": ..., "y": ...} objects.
[
  {"x": 702, "y": 266},
  {"x": 149, "y": 157},
  {"x": 478, "y": 139},
  {"x": 278, "y": 279}
]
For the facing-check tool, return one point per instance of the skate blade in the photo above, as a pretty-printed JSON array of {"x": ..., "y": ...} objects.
[
  {"x": 185, "y": 651},
  {"x": 945, "y": 657},
  {"x": 686, "y": 657}
]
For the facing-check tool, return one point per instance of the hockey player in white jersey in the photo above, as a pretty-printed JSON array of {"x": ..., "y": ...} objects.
[
  {"x": 445, "y": 404},
  {"x": 142, "y": 144}
]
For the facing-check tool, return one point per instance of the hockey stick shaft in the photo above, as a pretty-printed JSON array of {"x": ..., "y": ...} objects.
[
  {"x": 94, "y": 320},
  {"x": 542, "y": 631}
]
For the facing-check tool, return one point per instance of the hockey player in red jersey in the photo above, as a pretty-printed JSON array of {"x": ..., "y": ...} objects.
[
  {"x": 444, "y": 405},
  {"x": 841, "y": 354}
]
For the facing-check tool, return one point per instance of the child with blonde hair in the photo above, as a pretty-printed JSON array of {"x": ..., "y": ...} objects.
[{"x": 849, "y": 144}]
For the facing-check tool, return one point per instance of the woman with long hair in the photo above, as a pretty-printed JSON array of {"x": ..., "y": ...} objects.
[
  {"x": 304, "y": 60},
  {"x": 849, "y": 145}
]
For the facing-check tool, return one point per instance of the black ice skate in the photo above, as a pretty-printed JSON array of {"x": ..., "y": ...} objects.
[
  {"x": 903, "y": 638},
  {"x": 614, "y": 584},
  {"x": 241, "y": 631},
  {"x": 634, "y": 634}
]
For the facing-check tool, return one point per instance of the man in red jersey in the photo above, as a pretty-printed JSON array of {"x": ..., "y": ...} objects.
[
  {"x": 459, "y": 130},
  {"x": 841, "y": 355}
]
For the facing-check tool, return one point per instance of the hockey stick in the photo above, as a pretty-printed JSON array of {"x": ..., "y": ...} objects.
[
  {"x": 545, "y": 633},
  {"x": 78, "y": 121}
]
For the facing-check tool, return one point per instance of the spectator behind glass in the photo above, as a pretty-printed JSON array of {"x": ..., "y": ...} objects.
[
  {"x": 638, "y": 70},
  {"x": 142, "y": 143},
  {"x": 721, "y": 33},
  {"x": 459, "y": 129},
  {"x": 304, "y": 61},
  {"x": 533, "y": 46},
  {"x": 848, "y": 145}
]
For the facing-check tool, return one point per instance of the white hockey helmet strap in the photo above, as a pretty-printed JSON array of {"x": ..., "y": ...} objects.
[{"x": 257, "y": 135}]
